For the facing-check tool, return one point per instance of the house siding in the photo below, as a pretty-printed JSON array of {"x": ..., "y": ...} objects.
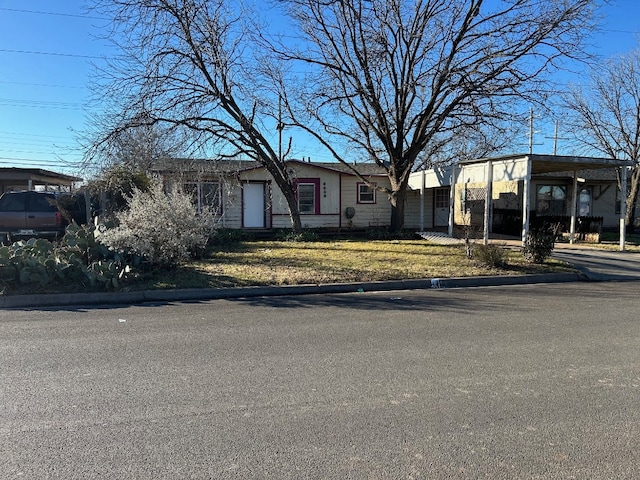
[
  {"x": 412, "y": 209},
  {"x": 367, "y": 215},
  {"x": 337, "y": 191}
]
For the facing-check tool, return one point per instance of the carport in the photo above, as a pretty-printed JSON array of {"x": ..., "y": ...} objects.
[
  {"x": 523, "y": 167},
  {"x": 12, "y": 179},
  {"x": 486, "y": 172}
]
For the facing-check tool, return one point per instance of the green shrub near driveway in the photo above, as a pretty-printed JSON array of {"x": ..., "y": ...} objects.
[
  {"x": 491, "y": 255},
  {"x": 538, "y": 245}
]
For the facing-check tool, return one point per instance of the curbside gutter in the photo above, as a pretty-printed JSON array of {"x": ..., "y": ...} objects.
[{"x": 129, "y": 298}]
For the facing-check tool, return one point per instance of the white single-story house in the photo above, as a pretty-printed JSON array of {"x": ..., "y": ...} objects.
[
  {"x": 245, "y": 195},
  {"x": 500, "y": 195},
  {"x": 509, "y": 194}
]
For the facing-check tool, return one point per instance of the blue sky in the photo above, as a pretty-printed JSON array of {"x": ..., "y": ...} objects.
[{"x": 47, "y": 49}]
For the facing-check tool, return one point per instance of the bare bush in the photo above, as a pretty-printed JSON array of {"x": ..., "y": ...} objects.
[{"x": 163, "y": 227}]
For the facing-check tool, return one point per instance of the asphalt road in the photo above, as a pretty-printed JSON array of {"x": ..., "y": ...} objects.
[{"x": 535, "y": 381}]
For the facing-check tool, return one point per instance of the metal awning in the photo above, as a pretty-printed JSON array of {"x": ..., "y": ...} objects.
[
  {"x": 556, "y": 163},
  {"x": 28, "y": 178}
]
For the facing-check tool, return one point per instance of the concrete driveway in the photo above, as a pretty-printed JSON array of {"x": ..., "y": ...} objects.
[
  {"x": 596, "y": 264},
  {"x": 601, "y": 265}
]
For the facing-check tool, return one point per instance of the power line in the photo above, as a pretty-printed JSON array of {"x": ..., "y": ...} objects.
[
  {"x": 38, "y": 12},
  {"x": 55, "y": 54},
  {"x": 30, "y": 134},
  {"x": 52, "y": 146},
  {"x": 8, "y": 102},
  {"x": 26, "y": 84},
  {"x": 37, "y": 162},
  {"x": 6, "y": 143}
]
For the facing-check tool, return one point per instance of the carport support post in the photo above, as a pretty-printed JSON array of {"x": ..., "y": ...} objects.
[
  {"x": 574, "y": 207},
  {"x": 525, "y": 201},
  {"x": 422, "y": 189},
  {"x": 487, "y": 201},
  {"x": 623, "y": 206},
  {"x": 452, "y": 198}
]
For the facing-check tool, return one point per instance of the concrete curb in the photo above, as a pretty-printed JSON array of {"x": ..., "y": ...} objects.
[{"x": 129, "y": 298}]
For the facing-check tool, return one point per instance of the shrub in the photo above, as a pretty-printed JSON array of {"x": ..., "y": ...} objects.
[
  {"x": 381, "y": 233},
  {"x": 78, "y": 259},
  {"x": 305, "y": 235},
  {"x": 538, "y": 245},
  {"x": 229, "y": 236},
  {"x": 494, "y": 256},
  {"x": 163, "y": 227}
]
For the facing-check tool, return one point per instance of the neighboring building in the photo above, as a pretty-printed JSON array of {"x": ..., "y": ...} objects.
[
  {"x": 245, "y": 195},
  {"x": 520, "y": 190},
  {"x": 16, "y": 179}
]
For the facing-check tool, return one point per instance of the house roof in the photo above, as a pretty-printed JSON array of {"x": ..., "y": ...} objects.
[
  {"x": 235, "y": 166},
  {"x": 363, "y": 168}
]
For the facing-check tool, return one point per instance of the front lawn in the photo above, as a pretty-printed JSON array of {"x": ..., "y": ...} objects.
[
  {"x": 252, "y": 263},
  {"x": 295, "y": 263}
]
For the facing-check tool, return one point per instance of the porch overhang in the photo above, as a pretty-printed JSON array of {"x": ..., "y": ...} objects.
[
  {"x": 519, "y": 167},
  {"x": 535, "y": 164},
  {"x": 540, "y": 164}
]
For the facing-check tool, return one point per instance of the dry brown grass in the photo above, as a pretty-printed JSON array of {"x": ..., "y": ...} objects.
[{"x": 297, "y": 263}]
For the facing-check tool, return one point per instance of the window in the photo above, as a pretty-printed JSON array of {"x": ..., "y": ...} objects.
[
  {"x": 366, "y": 194},
  {"x": 13, "y": 202},
  {"x": 211, "y": 196},
  {"x": 618, "y": 202},
  {"x": 307, "y": 198},
  {"x": 441, "y": 199},
  {"x": 551, "y": 199},
  {"x": 42, "y": 203},
  {"x": 584, "y": 202},
  {"x": 308, "y": 192},
  {"x": 205, "y": 195}
]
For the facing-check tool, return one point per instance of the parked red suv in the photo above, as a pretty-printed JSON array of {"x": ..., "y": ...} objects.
[{"x": 38, "y": 214}]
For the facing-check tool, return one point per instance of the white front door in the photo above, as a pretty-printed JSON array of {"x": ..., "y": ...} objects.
[
  {"x": 253, "y": 210},
  {"x": 441, "y": 207}
]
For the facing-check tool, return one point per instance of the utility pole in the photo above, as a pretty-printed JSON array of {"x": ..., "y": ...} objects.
[
  {"x": 556, "y": 138},
  {"x": 530, "y": 130}
]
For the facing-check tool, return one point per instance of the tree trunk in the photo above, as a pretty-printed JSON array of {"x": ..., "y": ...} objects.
[
  {"x": 294, "y": 213},
  {"x": 290, "y": 196},
  {"x": 632, "y": 198},
  {"x": 397, "y": 199}
]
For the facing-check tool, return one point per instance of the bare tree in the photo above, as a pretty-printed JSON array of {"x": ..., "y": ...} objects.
[
  {"x": 394, "y": 81},
  {"x": 192, "y": 65},
  {"x": 138, "y": 148},
  {"x": 605, "y": 117}
]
